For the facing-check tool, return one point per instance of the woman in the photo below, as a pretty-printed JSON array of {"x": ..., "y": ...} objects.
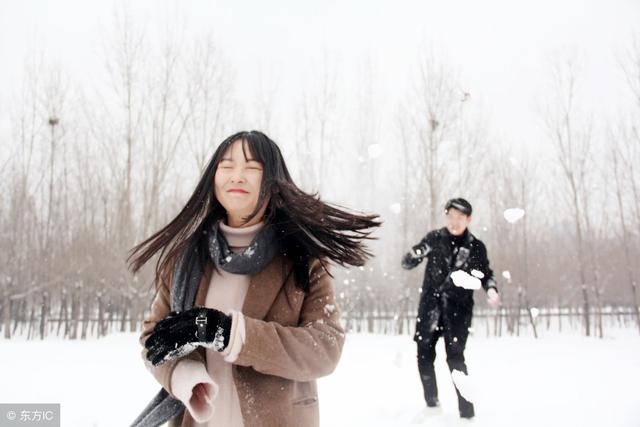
[{"x": 244, "y": 319}]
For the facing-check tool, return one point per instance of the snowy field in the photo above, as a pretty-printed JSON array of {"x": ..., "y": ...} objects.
[{"x": 558, "y": 380}]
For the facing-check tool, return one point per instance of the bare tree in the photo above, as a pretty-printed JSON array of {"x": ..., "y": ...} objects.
[
  {"x": 266, "y": 100},
  {"x": 436, "y": 100},
  {"x": 470, "y": 146},
  {"x": 630, "y": 150},
  {"x": 120, "y": 138},
  {"x": 316, "y": 123},
  {"x": 168, "y": 113},
  {"x": 209, "y": 93},
  {"x": 625, "y": 233},
  {"x": 325, "y": 112},
  {"x": 522, "y": 177},
  {"x": 308, "y": 176},
  {"x": 369, "y": 127},
  {"x": 54, "y": 98},
  {"x": 572, "y": 142}
]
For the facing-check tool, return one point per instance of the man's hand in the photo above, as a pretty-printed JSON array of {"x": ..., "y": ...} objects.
[
  {"x": 418, "y": 251},
  {"x": 493, "y": 298}
]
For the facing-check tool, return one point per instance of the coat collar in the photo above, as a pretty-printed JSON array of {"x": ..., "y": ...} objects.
[
  {"x": 467, "y": 239},
  {"x": 263, "y": 288}
]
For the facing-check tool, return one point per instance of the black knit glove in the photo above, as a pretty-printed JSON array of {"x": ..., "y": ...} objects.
[
  {"x": 419, "y": 250},
  {"x": 182, "y": 332}
]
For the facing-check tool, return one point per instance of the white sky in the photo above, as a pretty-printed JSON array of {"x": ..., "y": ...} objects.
[{"x": 499, "y": 46}]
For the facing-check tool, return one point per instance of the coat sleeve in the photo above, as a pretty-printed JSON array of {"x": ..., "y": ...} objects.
[
  {"x": 160, "y": 308},
  {"x": 487, "y": 280},
  {"x": 410, "y": 261},
  {"x": 304, "y": 352}
]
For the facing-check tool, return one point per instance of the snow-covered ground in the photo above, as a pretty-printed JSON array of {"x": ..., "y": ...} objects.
[{"x": 558, "y": 380}]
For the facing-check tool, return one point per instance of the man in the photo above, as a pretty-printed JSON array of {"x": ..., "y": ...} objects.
[{"x": 456, "y": 265}]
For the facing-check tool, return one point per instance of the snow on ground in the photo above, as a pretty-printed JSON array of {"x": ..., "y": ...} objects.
[{"x": 558, "y": 380}]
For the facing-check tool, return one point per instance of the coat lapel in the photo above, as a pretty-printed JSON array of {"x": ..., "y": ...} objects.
[{"x": 263, "y": 289}]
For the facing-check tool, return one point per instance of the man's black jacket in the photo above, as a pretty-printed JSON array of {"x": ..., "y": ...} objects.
[{"x": 444, "y": 257}]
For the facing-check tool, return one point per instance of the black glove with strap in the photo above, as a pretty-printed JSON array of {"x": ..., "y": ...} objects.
[
  {"x": 419, "y": 250},
  {"x": 182, "y": 332}
]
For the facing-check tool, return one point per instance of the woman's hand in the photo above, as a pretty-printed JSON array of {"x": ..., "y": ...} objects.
[
  {"x": 182, "y": 332},
  {"x": 200, "y": 398}
]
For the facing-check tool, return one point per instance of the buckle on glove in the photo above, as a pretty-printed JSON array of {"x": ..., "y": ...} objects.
[{"x": 201, "y": 324}]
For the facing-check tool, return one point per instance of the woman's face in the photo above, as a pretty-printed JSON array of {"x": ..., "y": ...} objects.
[{"x": 237, "y": 184}]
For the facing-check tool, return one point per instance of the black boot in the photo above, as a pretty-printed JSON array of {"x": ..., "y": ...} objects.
[
  {"x": 426, "y": 357},
  {"x": 432, "y": 402},
  {"x": 465, "y": 407},
  {"x": 429, "y": 385}
]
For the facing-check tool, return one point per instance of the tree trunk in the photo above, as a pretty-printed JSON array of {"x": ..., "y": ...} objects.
[{"x": 44, "y": 309}]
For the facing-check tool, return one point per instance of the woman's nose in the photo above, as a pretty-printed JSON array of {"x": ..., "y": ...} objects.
[{"x": 237, "y": 175}]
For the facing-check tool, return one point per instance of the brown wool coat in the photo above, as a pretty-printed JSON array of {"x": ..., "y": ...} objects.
[{"x": 292, "y": 338}]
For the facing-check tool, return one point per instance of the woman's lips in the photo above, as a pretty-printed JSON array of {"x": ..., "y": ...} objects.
[{"x": 237, "y": 190}]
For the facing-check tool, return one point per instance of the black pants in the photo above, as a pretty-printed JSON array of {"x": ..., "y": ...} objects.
[{"x": 453, "y": 325}]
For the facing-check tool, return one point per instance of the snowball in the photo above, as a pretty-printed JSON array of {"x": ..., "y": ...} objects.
[
  {"x": 513, "y": 215},
  {"x": 506, "y": 274},
  {"x": 396, "y": 208},
  {"x": 477, "y": 273},
  {"x": 462, "y": 279}
]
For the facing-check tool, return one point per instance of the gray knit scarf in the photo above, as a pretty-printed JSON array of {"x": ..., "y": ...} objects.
[{"x": 186, "y": 278}]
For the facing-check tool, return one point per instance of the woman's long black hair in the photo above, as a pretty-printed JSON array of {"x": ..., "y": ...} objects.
[{"x": 308, "y": 227}]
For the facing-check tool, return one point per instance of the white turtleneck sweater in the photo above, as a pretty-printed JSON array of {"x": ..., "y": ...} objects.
[{"x": 226, "y": 293}]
